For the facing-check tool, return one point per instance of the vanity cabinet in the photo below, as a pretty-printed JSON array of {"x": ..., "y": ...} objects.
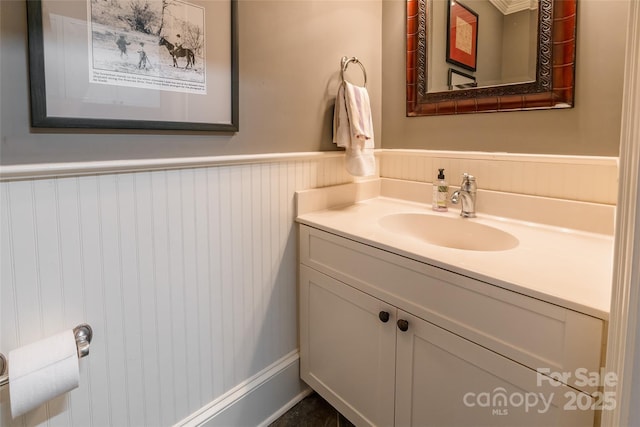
[
  {"x": 347, "y": 352},
  {"x": 388, "y": 340}
]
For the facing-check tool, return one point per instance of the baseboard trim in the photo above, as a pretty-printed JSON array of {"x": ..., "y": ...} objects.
[
  {"x": 257, "y": 401},
  {"x": 290, "y": 404}
]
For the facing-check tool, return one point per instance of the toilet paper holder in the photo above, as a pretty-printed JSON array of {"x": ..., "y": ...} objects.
[{"x": 83, "y": 334}]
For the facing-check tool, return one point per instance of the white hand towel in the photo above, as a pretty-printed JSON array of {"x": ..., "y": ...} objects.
[
  {"x": 341, "y": 131},
  {"x": 353, "y": 129}
]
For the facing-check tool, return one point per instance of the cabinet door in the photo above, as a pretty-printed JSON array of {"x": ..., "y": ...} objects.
[
  {"x": 347, "y": 353},
  {"x": 446, "y": 380}
]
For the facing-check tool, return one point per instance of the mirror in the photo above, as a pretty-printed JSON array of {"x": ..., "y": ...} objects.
[{"x": 489, "y": 55}]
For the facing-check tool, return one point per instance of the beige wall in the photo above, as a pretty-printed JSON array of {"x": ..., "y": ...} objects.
[
  {"x": 520, "y": 46},
  {"x": 289, "y": 68},
  {"x": 289, "y": 55},
  {"x": 591, "y": 128}
]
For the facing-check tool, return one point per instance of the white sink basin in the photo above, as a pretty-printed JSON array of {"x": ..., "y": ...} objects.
[{"x": 457, "y": 233}]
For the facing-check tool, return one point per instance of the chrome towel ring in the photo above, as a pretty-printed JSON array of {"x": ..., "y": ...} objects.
[{"x": 344, "y": 64}]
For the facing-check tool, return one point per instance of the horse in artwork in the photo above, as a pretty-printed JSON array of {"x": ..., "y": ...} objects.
[{"x": 178, "y": 52}]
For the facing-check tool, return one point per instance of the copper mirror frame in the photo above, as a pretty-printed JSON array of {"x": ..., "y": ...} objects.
[{"x": 554, "y": 85}]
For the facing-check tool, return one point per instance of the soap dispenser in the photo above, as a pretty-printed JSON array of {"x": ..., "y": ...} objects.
[{"x": 440, "y": 193}]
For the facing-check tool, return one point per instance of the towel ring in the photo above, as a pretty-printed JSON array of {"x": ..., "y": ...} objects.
[{"x": 344, "y": 64}]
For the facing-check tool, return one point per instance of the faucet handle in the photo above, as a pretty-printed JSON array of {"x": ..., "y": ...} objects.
[{"x": 468, "y": 182}]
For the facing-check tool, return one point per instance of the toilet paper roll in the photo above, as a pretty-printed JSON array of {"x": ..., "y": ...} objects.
[{"x": 40, "y": 371}]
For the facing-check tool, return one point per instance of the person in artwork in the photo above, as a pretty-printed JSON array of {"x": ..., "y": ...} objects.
[
  {"x": 143, "y": 57},
  {"x": 122, "y": 45},
  {"x": 178, "y": 43}
]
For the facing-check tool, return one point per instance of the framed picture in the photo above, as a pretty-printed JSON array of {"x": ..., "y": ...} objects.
[
  {"x": 134, "y": 64},
  {"x": 460, "y": 80},
  {"x": 462, "y": 36}
]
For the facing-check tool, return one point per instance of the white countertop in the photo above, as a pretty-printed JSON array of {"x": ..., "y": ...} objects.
[{"x": 566, "y": 267}]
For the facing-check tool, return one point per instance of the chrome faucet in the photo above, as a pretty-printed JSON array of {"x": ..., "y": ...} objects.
[{"x": 467, "y": 193}]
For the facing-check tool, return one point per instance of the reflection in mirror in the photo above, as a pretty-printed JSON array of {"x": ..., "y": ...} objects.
[
  {"x": 524, "y": 55},
  {"x": 459, "y": 80},
  {"x": 507, "y": 36}
]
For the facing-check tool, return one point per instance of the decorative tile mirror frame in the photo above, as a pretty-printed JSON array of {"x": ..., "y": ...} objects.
[{"x": 555, "y": 70}]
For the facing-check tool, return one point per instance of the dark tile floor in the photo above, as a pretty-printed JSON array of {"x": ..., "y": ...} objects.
[{"x": 312, "y": 411}]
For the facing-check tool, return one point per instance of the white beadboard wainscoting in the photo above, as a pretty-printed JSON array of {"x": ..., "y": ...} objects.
[
  {"x": 186, "y": 271},
  {"x": 187, "y": 277}
]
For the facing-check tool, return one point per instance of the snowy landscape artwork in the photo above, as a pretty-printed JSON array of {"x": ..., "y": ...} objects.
[
  {"x": 134, "y": 64},
  {"x": 149, "y": 44}
]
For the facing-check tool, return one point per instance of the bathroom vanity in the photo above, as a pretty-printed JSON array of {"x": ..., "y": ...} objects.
[{"x": 398, "y": 330}]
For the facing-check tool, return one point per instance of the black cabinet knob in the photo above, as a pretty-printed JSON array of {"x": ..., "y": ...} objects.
[
  {"x": 403, "y": 325},
  {"x": 384, "y": 316}
]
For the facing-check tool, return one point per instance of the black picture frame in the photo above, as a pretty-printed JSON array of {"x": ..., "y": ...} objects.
[
  {"x": 466, "y": 58},
  {"x": 125, "y": 115},
  {"x": 459, "y": 80}
]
